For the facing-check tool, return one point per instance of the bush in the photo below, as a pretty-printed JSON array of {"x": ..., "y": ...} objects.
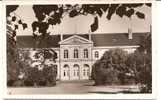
[
  {"x": 40, "y": 74},
  {"x": 10, "y": 82},
  {"x": 18, "y": 83},
  {"x": 110, "y": 68},
  {"x": 28, "y": 83},
  {"x": 44, "y": 77},
  {"x": 42, "y": 83},
  {"x": 140, "y": 64}
]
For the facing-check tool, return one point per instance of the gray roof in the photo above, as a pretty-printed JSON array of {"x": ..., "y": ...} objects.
[{"x": 117, "y": 39}]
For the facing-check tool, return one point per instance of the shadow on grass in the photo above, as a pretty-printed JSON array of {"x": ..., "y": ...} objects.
[
  {"x": 119, "y": 92},
  {"x": 128, "y": 92},
  {"x": 88, "y": 85},
  {"x": 101, "y": 92}
]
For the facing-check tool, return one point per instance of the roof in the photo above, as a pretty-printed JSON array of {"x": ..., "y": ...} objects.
[
  {"x": 29, "y": 41},
  {"x": 75, "y": 40},
  {"x": 117, "y": 39}
]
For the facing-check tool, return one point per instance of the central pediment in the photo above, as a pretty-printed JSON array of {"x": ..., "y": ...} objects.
[{"x": 75, "y": 39}]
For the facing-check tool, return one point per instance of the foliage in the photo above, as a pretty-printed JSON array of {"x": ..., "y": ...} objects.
[
  {"x": 19, "y": 62},
  {"x": 140, "y": 64},
  {"x": 37, "y": 71},
  {"x": 116, "y": 66},
  {"x": 11, "y": 62},
  {"x": 53, "y": 14},
  {"x": 12, "y": 54},
  {"x": 110, "y": 67},
  {"x": 10, "y": 8}
]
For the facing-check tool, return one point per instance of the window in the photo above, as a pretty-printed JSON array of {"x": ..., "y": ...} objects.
[
  {"x": 96, "y": 54},
  {"x": 75, "y": 53},
  {"x": 65, "y": 53},
  {"x": 74, "y": 73},
  {"x": 76, "y": 70},
  {"x": 66, "y": 70},
  {"x": 88, "y": 72},
  {"x": 84, "y": 72},
  {"x": 64, "y": 73},
  {"x": 85, "y": 53}
]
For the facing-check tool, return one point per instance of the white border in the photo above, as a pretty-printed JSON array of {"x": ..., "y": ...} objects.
[
  {"x": 89, "y": 96},
  {"x": 29, "y": 2},
  {"x": 158, "y": 40},
  {"x": 1, "y": 74}
]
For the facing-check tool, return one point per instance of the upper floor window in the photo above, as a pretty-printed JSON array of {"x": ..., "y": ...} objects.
[
  {"x": 65, "y": 53},
  {"x": 85, "y": 53},
  {"x": 96, "y": 54},
  {"x": 75, "y": 53}
]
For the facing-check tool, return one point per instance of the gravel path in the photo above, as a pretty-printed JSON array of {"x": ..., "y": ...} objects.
[{"x": 71, "y": 87}]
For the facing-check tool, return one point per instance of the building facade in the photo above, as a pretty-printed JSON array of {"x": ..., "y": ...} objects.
[{"x": 77, "y": 53}]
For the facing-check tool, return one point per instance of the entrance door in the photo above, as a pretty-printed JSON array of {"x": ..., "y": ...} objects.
[
  {"x": 76, "y": 73},
  {"x": 66, "y": 72}
]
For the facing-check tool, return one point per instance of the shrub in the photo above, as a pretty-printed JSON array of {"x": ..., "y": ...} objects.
[
  {"x": 110, "y": 68},
  {"x": 42, "y": 83},
  {"x": 10, "y": 82},
  {"x": 18, "y": 83},
  {"x": 28, "y": 83}
]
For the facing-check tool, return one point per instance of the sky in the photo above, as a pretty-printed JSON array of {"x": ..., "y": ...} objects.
[{"x": 81, "y": 24}]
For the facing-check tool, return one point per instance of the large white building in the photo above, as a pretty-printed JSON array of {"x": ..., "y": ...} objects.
[{"x": 78, "y": 52}]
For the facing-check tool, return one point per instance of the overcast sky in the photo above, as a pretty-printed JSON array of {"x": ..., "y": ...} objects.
[{"x": 81, "y": 24}]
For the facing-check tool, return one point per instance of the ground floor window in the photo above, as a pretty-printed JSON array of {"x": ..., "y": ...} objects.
[
  {"x": 64, "y": 73},
  {"x": 86, "y": 70},
  {"x": 66, "y": 70},
  {"x": 76, "y": 70}
]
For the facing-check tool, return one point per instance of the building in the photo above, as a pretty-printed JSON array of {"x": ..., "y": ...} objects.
[{"x": 77, "y": 53}]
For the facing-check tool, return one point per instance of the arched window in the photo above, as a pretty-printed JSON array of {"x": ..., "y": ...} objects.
[
  {"x": 76, "y": 70},
  {"x": 66, "y": 70},
  {"x": 96, "y": 54},
  {"x": 85, "y": 53},
  {"x": 65, "y": 53},
  {"x": 75, "y": 53},
  {"x": 86, "y": 71}
]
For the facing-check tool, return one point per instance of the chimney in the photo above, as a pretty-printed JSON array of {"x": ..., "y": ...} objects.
[
  {"x": 89, "y": 34},
  {"x": 129, "y": 33},
  {"x": 61, "y": 36}
]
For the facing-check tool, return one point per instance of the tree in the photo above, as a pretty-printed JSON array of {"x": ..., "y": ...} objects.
[
  {"x": 45, "y": 67},
  {"x": 38, "y": 67},
  {"x": 53, "y": 14},
  {"x": 18, "y": 60},
  {"x": 140, "y": 64},
  {"x": 12, "y": 54},
  {"x": 110, "y": 67}
]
